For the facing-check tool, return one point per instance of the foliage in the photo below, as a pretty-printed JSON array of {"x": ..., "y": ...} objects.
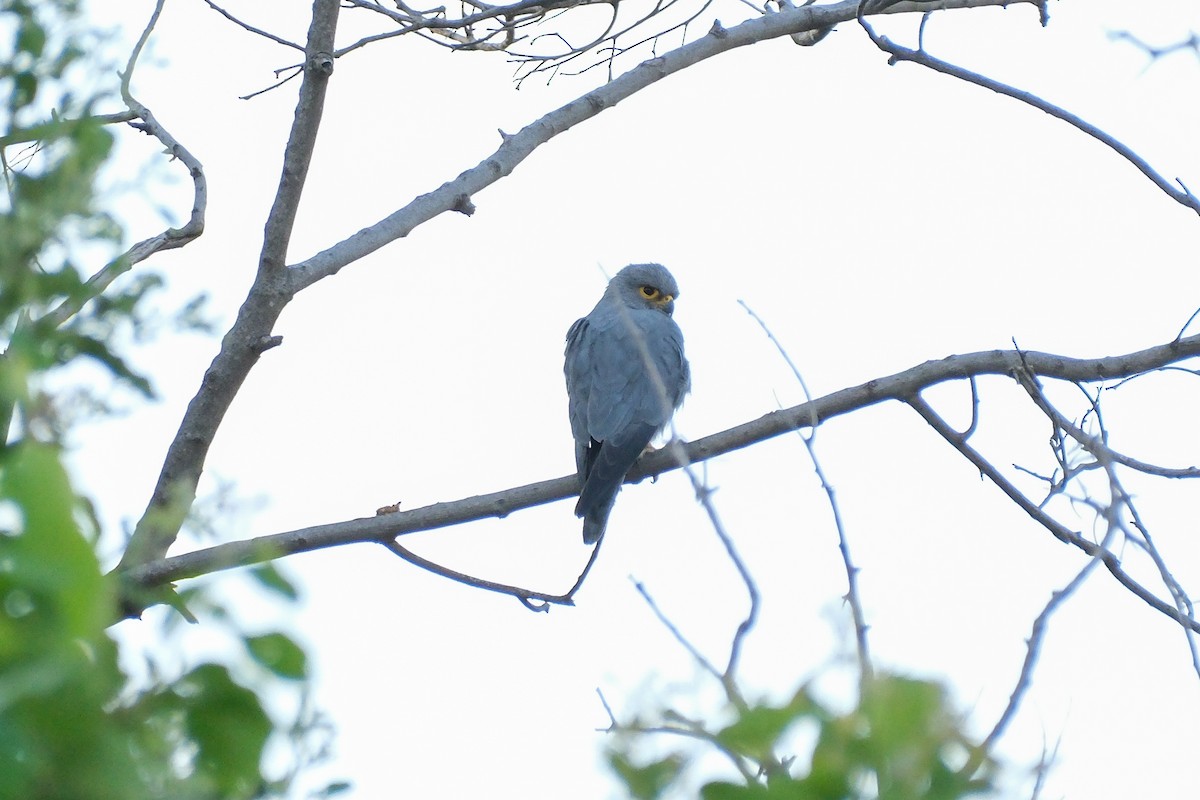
[
  {"x": 73, "y": 724},
  {"x": 50, "y": 220},
  {"x": 901, "y": 742}
]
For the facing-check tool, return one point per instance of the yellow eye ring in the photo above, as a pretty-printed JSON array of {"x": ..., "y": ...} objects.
[{"x": 649, "y": 292}]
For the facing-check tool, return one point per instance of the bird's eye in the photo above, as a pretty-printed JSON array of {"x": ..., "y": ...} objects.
[{"x": 649, "y": 292}]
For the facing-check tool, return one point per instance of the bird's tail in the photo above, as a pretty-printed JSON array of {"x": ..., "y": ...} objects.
[
  {"x": 604, "y": 478},
  {"x": 594, "y": 524}
]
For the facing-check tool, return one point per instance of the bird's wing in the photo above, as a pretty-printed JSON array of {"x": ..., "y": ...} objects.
[
  {"x": 621, "y": 389},
  {"x": 578, "y": 369}
]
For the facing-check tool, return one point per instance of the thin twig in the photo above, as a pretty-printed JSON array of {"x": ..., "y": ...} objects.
[
  {"x": 170, "y": 239},
  {"x": 866, "y": 669},
  {"x": 252, "y": 29},
  {"x": 686, "y": 643},
  {"x": 533, "y": 600},
  {"x": 1192, "y": 42},
  {"x": 1179, "y": 335},
  {"x": 1060, "y": 531},
  {"x": 1107, "y": 458},
  {"x": 1033, "y": 647},
  {"x": 899, "y": 53},
  {"x": 294, "y": 72},
  {"x": 689, "y": 730},
  {"x": 40, "y": 131},
  {"x": 1096, "y": 444}
]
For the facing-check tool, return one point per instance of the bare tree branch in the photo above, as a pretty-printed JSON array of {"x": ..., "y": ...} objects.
[
  {"x": 172, "y": 237},
  {"x": 899, "y": 53},
  {"x": 1111, "y": 562},
  {"x": 43, "y": 129},
  {"x": 684, "y": 642},
  {"x": 903, "y": 386},
  {"x": 866, "y": 670},
  {"x": 1191, "y": 42},
  {"x": 275, "y": 286},
  {"x": 1033, "y": 648},
  {"x": 517, "y": 147},
  {"x": 1120, "y": 499},
  {"x": 248, "y": 27},
  {"x": 251, "y": 333},
  {"x": 533, "y": 600}
]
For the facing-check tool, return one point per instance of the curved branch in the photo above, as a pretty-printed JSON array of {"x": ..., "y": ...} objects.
[
  {"x": 1111, "y": 562},
  {"x": 898, "y": 53},
  {"x": 533, "y": 600},
  {"x": 903, "y": 386},
  {"x": 517, "y": 147},
  {"x": 169, "y": 239},
  {"x": 1033, "y": 649}
]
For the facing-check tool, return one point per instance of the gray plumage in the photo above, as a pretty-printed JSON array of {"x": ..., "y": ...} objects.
[{"x": 626, "y": 375}]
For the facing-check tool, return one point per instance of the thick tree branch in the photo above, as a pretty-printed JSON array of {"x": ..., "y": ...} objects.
[
  {"x": 903, "y": 386},
  {"x": 274, "y": 286},
  {"x": 517, "y": 147},
  {"x": 251, "y": 333}
]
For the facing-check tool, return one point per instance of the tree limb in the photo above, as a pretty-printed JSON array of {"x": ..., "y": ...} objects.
[
  {"x": 251, "y": 334},
  {"x": 517, "y": 147},
  {"x": 1110, "y": 560},
  {"x": 275, "y": 285},
  {"x": 903, "y": 386},
  {"x": 898, "y": 53},
  {"x": 169, "y": 239}
]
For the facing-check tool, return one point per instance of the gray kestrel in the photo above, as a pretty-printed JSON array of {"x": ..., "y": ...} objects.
[{"x": 626, "y": 375}]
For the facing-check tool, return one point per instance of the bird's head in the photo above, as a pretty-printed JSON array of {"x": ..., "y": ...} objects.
[{"x": 645, "y": 286}]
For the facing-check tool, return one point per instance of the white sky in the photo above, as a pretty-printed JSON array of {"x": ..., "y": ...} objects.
[{"x": 874, "y": 216}]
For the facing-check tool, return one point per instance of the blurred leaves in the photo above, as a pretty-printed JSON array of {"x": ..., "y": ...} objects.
[
  {"x": 279, "y": 654},
  {"x": 73, "y": 723},
  {"x": 228, "y": 726},
  {"x": 269, "y": 576},
  {"x": 646, "y": 781},
  {"x": 52, "y": 149},
  {"x": 901, "y": 742}
]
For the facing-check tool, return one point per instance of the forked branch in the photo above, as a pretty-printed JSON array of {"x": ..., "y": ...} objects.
[{"x": 903, "y": 386}]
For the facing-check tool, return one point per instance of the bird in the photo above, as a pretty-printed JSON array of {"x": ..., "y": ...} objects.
[{"x": 626, "y": 374}]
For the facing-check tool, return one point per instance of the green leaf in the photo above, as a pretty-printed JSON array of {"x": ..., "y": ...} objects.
[
  {"x": 31, "y": 38},
  {"x": 756, "y": 729},
  {"x": 269, "y": 576},
  {"x": 905, "y": 712},
  {"x": 49, "y": 568},
  {"x": 280, "y": 654},
  {"x": 86, "y": 345},
  {"x": 646, "y": 781},
  {"x": 721, "y": 790},
  {"x": 227, "y": 724},
  {"x": 25, "y": 86}
]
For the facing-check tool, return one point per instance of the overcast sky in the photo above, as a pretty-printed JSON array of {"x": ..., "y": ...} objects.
[{"x": 875, "y": 217}]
